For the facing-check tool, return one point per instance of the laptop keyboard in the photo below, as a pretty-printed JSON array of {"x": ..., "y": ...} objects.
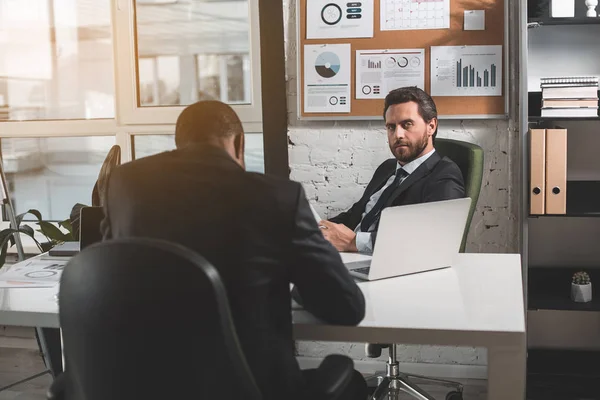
[{"x": 363, "y": 270}]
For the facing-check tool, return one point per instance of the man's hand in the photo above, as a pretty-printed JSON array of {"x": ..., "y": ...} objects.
[{"x": 339, "y": 235}]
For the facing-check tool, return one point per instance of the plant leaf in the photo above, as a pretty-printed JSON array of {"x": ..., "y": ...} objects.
[
  {"x": 32, "y": 211},
  {"x": 3, "y": 254},
  {"x": 46, "y": 246},
  {"x": 52, "y": 232},
  {"x": 26, "y": 229},
  {"x": 67, "y": 225}
]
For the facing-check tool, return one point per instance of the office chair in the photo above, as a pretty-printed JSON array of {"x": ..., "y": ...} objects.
[
  {"x": 148, "y": 319},
  {"x": 469, "y": 158},
  {"x": 112, "y": 160}
]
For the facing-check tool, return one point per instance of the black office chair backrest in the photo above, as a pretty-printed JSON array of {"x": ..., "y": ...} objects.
[
  {"x": 112, "y": 160},
  {"x": 148, "y": 319}
]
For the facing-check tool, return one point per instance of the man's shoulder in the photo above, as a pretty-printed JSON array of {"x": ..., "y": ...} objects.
[
  {"x": 387, "y": 165},
  {"x": 141, "y": 165},
  {"x": 445, "y": 164},
  {"x": 272, "y": 183}
]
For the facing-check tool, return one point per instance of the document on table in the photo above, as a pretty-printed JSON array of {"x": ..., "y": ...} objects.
[{"x": 35, "y": 272}]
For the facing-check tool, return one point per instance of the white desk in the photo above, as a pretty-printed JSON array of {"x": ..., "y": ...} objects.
[
  {"x": 29, "y": 307},
  {"x": 478, "y": 303}
]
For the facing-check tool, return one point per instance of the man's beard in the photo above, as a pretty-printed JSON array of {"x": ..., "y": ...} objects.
[{"x": 411, "y": 152}]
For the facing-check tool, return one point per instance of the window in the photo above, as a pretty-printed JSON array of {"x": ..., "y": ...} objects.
[
  {"x": 188, "y": 51},
  {"x": 146, "y": 145},
  {"x": 56, "y": 60},
  {"x": 193, "y": 46},
  {"x": 53, "y": 174},
  {"x": 79, "y": 76}
]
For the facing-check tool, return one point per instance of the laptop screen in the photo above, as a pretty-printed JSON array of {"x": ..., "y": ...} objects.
[{"x": 89, "y": 229}]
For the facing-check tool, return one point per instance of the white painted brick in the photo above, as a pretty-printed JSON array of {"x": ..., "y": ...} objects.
[
  {"x": 342, "y": 177},
  {"x": 369, "y": 158},
  {"x": 343, "y": 157},
  {"x": 364, "y": 175},
  {"x": 334, "y": 194},
  {"x": 304, "y": 174},
  {"x": 299, "y": 155}
]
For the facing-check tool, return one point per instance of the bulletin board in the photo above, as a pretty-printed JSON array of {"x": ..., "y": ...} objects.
[{"x": 494, "y": 33}]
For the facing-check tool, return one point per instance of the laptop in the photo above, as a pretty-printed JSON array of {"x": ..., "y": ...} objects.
[
  {"x": 413, "y": 238},
  {"x": 89, "y": 233}
]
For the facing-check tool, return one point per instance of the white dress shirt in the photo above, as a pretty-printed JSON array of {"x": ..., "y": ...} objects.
[{"x": 364, "y": 244}]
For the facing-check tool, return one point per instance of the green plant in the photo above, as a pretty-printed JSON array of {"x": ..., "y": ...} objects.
[
  {"x": 53, "y": 234},
  {"x": 581, "y": 278}
]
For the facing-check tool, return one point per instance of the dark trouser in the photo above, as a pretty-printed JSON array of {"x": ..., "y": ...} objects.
[{"x": 356, "y": 390}]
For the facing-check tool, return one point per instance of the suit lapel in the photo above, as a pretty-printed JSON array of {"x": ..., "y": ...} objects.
[
  {"x": 379, "y": 181},
  {"x": 422, "y": 171}
]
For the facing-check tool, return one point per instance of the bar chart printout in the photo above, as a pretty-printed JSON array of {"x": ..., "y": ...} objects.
[{"x": 466, "y": 70}]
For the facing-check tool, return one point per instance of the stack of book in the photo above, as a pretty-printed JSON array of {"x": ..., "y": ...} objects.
[{"x": 570, "y": 97}]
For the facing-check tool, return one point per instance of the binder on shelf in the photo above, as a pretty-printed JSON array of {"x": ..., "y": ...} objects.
[
  {"x": 556, "y": 171},
  {"x": 537, "y": 170}
]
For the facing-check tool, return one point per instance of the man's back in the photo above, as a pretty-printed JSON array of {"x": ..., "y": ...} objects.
[{"x": 259, "y": 233}]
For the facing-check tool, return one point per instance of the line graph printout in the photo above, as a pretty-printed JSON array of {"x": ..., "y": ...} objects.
[{"x": 398, "y": 15}]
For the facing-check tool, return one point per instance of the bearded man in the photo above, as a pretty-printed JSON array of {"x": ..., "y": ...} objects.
[{"x": 417, "y": 174}]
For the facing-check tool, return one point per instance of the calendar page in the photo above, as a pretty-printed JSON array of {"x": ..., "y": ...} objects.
[{"x": 414, "y": 14}]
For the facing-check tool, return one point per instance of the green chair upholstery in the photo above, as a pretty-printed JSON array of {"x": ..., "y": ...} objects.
[{"x": 469, "y": 158}]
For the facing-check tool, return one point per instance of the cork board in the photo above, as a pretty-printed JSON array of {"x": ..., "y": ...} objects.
[{"x": 494, "y": 34}]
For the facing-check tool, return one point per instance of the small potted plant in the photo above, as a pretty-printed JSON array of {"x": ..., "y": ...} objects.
[{"x": 581, "y": 288}]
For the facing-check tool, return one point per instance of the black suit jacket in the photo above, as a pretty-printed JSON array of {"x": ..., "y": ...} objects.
[
  {"x": 436, "y": 179},
  {"x": 260, "y": 234}
]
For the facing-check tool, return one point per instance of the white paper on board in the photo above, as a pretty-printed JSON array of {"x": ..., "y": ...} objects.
[
  {"x": 474, "y": 20},
  {"x": 380, "y": 71},
  {"x": 327, "y": 78},
  {"x": 399, "y": 15},
  {"x": 339, "y": 19},
  {"x": 466, "y": 70}
]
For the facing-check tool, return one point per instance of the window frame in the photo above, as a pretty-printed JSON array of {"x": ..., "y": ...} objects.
[{"x": 128, "y": 110}]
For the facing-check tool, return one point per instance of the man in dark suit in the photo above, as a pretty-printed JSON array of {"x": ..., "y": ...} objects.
[
  {"x": 257, "y": 230},
  {"x": 417, "y": 174}
]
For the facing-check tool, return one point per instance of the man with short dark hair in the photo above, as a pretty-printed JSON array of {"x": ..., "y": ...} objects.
[
  {"x": 417, "y": 174},
  {"x": 258, "y": 231}
]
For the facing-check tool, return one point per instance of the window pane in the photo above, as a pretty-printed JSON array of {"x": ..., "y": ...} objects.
[
  {"x": 145, "y": 145},
  {"x": 56, "y": 60},
  {"x": 53, "y": 174},
  {"x": 190, "y": 51}
]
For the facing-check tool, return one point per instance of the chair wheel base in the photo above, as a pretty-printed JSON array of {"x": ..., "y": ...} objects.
[{"x": 454, "y": 396}]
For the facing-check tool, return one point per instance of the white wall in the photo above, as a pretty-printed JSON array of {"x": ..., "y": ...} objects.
[{"x": 336, "y": 160}]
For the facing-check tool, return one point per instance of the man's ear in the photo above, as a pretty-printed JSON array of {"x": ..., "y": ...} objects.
[
  {"x": 238, "y": 143},
  {"x": 432, "y": 126}
]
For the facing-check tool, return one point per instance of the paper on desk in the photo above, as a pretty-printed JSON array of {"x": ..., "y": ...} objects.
[
  {"x": 26, "y": 285},
  {"x": 315, "y": 213},
  {"x": 35, "y": 271}
]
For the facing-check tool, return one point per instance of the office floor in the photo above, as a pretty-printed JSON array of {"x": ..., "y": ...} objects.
[{"x": 18, "y": 363}]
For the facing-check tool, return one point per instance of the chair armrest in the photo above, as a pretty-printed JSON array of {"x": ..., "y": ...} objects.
[
  {"x": 57, "y": 389},
  {"x": 334, "y": 375}
]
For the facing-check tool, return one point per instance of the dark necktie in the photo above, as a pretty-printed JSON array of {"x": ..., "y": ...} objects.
[{"x": 373, "y": 215}]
